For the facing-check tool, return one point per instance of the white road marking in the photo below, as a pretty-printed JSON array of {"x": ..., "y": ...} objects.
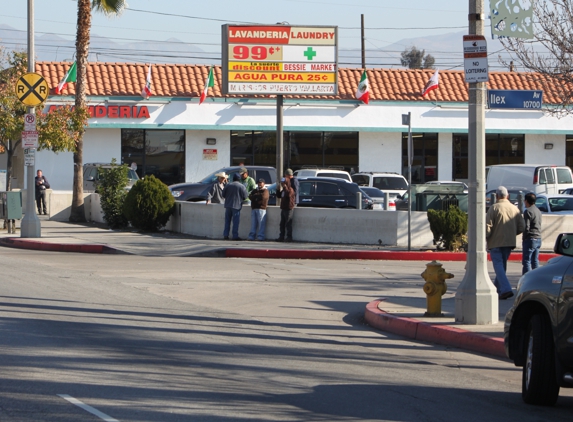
[{"x": 87, "y": 408}]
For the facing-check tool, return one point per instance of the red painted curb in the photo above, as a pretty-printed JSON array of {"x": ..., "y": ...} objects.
[
  {"x": 367, "y": 255},
  {"x": 432, "y": 333},
  {"x": 54, "y": 247}
]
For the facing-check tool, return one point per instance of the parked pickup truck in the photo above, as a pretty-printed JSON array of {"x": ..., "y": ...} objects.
[
  {"x": 196, "y": 192},
  {"x": 538, "y": 331}
]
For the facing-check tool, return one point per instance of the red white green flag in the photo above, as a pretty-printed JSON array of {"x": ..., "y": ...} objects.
[
  {"x": 71, "y": 76},
  {"x": 363, "y": 90},
  {"x": 209, "y": 83},
  {"x": 146, "y": 91},
  {"x": 432, "y": 84}
]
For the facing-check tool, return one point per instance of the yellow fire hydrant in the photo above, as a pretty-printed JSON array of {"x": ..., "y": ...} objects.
[{"x": 435, "y": 287}]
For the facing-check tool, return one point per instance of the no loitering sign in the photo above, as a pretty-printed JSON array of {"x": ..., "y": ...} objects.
[{"x": 475, "y": 59}]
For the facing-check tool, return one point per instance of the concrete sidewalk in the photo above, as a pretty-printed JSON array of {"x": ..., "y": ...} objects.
[{"x": 402, "y": 316}]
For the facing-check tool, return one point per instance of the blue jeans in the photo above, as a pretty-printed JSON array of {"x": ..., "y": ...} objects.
[
  {"x": 258, "y": 223},
  {"x": 499, "y": 257},
  {"x": 235, "y": 216},
  {"x": 530, "y": 254}
]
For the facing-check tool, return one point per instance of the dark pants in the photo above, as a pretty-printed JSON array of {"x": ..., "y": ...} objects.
[
  {"x": 41, "y": 202},
  {"x": 286, "y": 224}
]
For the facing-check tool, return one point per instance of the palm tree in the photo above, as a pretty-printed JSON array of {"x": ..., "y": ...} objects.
[{"x": 109, "y": 8}]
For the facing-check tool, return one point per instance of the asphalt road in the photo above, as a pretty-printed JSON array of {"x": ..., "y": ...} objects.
[{"x": 128, "y": 338}]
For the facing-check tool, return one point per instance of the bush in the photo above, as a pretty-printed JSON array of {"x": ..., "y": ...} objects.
[
  {"x": 149, "y": 204},
  {"x": 449, "y": 228},
  {"x": 111, "y": 188}
]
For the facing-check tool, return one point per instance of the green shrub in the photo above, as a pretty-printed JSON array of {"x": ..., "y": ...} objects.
[
  {"x": 449, "y": 228},
  {"x": 111, "y": 185},
  {"x": 149, "y": 204}
]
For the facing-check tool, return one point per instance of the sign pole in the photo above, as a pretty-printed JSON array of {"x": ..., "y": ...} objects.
[
  {"x": 280, "y": 146},
  {"x": 407, "y": 120},
  {"x": 476, "y": 298},
  {"x": 30, "y": 226}
]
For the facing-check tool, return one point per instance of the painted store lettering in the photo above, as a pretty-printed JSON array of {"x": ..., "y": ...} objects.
[
  {"x": 312, "y": 35},
  {"x": 114, "y": 112}
]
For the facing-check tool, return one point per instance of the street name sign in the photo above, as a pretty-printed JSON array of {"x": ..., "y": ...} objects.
[
  {"x": 526, "y": 100},
  {"x": 475, "y": 59}
]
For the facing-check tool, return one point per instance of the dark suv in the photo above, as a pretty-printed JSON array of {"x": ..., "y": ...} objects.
[
  {"x": 538, "y": 330},
  {"x": 327, "y": 192},
  {"x": 195, "y": 192}
]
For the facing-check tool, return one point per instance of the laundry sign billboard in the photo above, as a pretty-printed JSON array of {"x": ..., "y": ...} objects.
[{"x": 280, "y": 59}]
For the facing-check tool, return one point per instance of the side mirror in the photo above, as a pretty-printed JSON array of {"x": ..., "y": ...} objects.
[{"x": 564, "y": 244}]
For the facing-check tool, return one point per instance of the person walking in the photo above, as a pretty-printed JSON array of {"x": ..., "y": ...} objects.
[
  {"x": 41, "y": 185},
  {"x": 215, "y": 194},
  {"x": 531, "y": 240},
  {"x": 259, "y": 199},
  {"x": 234, "y": 194},
  {"x": 503, "y": 223},
  {"x": 287, "y": 204}
]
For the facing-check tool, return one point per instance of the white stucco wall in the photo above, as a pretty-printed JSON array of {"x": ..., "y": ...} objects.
[
  {"x": 196, "y": 168},
  {"x": 535, "y": 152},
  {"x": 380, "y": 151}
]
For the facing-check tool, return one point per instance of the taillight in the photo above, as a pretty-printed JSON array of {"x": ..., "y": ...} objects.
[{"x": 535, "y": 176}]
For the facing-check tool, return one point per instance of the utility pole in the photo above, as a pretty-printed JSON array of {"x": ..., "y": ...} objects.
[
  {"x": 30, "y": 226},
  {"x": 476, "y": 298},
  {"x": 363, "y": 47}
]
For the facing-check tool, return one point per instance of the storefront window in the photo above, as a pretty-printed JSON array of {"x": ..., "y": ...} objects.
[
  {"x": 320, "y": 149},
  {"x": 425, "y": 157},
  {"x": 155, "y": 152},
  {"x": 569, "y": 151},
  {"x": 460, "y": 156},
  {"x": 504, "y": 149}
]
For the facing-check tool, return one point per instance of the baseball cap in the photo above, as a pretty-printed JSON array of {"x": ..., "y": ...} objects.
[
  {"x": 288, "y": 172},
  {"x": 236, "y": 177},
  {"x": 242, "y": 170},
  {"x": 262, "y": 181}
]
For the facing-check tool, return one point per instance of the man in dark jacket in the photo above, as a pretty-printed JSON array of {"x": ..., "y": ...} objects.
[
  {"x": 259, "y": 199},
  {"x": 41, "y": 185},
  {"x": 531, "y": 240},
  {"x": 288, "y": 199},
  {"x": 234, "y": 193}
]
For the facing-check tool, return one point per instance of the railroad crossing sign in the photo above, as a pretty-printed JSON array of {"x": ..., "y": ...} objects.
[{"x": 32, "y": 89}]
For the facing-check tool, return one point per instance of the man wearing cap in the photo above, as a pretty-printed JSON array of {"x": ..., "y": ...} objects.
[
  {"x": 234, "y": 193},
  {"x": 503, "y": 223},
  {"x": 288, "y": 202},
  {"x": 215, "y": 195},
  {"x": 247, "y": 181},
  {"x": 259, "y": 199}
]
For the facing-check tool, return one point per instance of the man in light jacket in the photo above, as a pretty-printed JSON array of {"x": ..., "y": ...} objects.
[{"x": 503, "y": 223}]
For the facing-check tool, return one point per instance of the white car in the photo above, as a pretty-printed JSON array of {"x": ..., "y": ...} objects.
[
  {"x": 393, "y": 183},
  {"x": 378, "y": 198},
  {"x": 555, "y": 204}
]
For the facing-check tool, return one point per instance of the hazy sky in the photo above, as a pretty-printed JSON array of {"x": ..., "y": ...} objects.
[{"x": 199, "y": 22}]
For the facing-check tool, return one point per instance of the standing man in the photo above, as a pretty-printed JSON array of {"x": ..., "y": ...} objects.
[
  {"x": 41, "y": 185},
  {"x": 288, "y": 199},
  {"x": 247, "y": 181},
  {"x": 259, "y": 199},
  {"x": 215, "y": 194},
  {"x": 531, "y": 241},
  {"x": 503, "y": 223},
  {"x": 234, "y": 193}
]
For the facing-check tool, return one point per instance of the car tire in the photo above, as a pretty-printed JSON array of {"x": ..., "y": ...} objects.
[{"x": 539, "y": 381}]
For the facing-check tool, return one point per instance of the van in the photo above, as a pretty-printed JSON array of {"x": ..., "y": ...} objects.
[{"x": 536, "y": 178}]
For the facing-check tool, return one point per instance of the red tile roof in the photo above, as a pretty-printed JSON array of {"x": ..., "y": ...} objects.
[{"x": 128, "y": 79}]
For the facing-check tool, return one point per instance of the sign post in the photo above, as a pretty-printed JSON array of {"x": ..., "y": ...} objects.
[{"x": 407, "y": 121}]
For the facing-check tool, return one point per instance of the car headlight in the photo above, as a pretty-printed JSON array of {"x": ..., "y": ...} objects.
[{"x": 176, "y": 193}]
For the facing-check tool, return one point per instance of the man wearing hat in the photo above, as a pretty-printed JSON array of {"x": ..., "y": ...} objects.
[
  {"x": 503, "y": 223},
  {"x": 287, "y": 204},
  {"x": 234, "y": 193},
  {"x": 247, "y": 181},
  {"x": 215, "y": 194},
  {"x": 259, "y": 199}
]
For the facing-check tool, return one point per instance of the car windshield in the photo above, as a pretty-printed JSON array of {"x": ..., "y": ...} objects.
[
  {"x": 388, "y": 182},
  {"x": 561, "y": 204}
]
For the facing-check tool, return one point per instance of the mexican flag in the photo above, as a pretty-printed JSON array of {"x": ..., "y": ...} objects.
[
  {"x": 146, "y": 91},
  {"x": 209, "y": 83},
  {"x": 363, "y": 90},
  {"x": 70, "y": 77}
]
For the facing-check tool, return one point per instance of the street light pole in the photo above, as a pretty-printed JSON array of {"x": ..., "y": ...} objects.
[
  {"x": 476, "y": 298},
  {"x": 30, "y": 226}
]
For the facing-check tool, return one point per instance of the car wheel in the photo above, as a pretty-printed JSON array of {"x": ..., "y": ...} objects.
[{"x": 539, "y": 382}]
